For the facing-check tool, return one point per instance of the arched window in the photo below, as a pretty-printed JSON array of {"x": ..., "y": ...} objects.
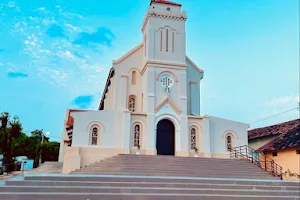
[
  {"x": 94, "y": 139},
  {"x": 131, "y": 103},
  {"x": 133, "y": 78},
  {"x": 193, "y": 139},
  {"x": 229, "y": 142},
  {"x": 136, "y": 139}
]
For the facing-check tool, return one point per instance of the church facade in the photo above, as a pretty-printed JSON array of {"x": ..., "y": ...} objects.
[{"x": 151, "y": 103}]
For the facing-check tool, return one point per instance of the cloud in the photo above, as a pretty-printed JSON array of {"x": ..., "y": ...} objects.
[
  {"x": 101, "y": 36},
  {"x": 84, "y": 101},
  {"x": 11, "y": 4},
  {"x": 17, "y": 75},
  {"x": 291, "y": 101},
  {"x": 73, "y": 28},
  {"x": 55, "y": 31},
  {"x": 41, "y": 9},
  {"x": 69, "y": 54}
]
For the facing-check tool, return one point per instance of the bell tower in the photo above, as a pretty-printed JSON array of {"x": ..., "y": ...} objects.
[{"x": 164, "y": 32}]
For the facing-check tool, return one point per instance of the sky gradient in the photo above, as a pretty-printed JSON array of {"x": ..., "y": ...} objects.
[{"x": 56, "y": 55}]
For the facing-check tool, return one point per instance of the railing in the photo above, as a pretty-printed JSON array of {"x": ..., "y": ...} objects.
[{"x": 258, "y": 158}]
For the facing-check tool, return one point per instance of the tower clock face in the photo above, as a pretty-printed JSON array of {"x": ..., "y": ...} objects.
[{"x": 166, "y": 81}]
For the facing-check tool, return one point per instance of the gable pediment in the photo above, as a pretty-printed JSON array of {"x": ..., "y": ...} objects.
[{"x": 168, "y": 101}]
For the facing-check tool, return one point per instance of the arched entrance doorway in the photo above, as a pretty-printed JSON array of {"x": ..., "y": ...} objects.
[{"x": 165, "y": 138}]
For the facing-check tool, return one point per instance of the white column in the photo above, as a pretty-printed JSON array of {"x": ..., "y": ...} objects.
[
  {"x": 207, "y": 136},
  {"x": 150, "y": 134},
  {"x": 124, "y": 95},
  {"x": 149, "y": 108},
  {"x": 151, "y": 44},
  {"x": 184, "y": 130},
  {"x": 183, "y": 92},
  {"x": 126, "y": 132},
  {"x": 183, "y": 135}
]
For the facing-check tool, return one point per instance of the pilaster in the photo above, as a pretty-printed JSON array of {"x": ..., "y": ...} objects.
[
  {"x": 124, "y": 93},
  {"x": 126, "y": 132},
  {"x": 207, "y": 137}
]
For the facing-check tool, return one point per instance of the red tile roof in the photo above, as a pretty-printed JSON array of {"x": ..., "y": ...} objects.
[
  {"x": 70, "y": 119},
  {"x": 165, "y": 2},
  {"x": 276, "y": 129},
  {"x": 288, "y": 136},
  {"x": 288, "y": 140}
]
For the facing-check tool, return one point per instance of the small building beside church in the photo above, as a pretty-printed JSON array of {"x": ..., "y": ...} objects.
[
  {"x": 151, "y": 103},
  {"x": 280, "y": 142}
]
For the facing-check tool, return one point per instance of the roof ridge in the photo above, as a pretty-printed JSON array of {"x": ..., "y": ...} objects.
[{"x": 275, "y": 124}]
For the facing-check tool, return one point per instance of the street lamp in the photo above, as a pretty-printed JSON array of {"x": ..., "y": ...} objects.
[{"x": 43, "y": 135}]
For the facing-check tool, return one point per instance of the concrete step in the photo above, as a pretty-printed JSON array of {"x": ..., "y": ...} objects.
[
  {"x": 142, "y": 190},
  {"x": 131, "y": 177},
  {"x": 135, "y": 196},
  {"x": 181, "y": 165},
  {"x": 151, "y": 179},
  {"x": 179, "y": 174},
  {"x": 175, "y": 172},
  {"x": 151, "y": 184},
  {"x": 177, "y": 169},
  {"x": 191, "y": 160}
]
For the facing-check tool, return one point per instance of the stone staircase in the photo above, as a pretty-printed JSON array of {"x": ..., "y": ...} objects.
[
  {"x": 132, "y": 177},
  {"x": 47, "y": 167},
  {"x": 176, "y": 166}
]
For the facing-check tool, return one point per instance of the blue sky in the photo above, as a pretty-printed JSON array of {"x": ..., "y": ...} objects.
[{"x": 56, "y": 55}]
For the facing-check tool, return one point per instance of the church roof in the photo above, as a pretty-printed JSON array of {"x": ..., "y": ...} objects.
[
  {"x": 165, "y": 2},
  {"x": 70, "y": 119}
]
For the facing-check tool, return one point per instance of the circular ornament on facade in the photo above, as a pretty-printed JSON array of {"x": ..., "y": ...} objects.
[{"x": 166, "y": 81}]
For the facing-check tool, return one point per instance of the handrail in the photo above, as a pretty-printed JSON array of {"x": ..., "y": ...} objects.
[{"x": 261, "y": 160}]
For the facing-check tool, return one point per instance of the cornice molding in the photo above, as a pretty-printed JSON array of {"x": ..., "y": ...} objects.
[
  {"x": 194, "y": 65},
  {"x": 162, "y": 16},
  {"x": 163, "y": 64}
]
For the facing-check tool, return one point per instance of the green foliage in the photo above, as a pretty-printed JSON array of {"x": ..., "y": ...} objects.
[{"x": 13, "y": 143}]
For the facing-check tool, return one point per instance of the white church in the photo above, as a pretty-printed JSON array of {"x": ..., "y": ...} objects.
[{"x": 151, "y": 103}]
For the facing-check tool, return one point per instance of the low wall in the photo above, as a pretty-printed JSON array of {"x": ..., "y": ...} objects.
[{"x": 78, "y": 157}]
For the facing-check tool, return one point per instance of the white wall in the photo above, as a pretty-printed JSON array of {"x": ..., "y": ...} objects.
[
  {"x": 193, "y": 89},
  {"x": 259, "y": 142},
  {"x": 132, "y": 61},
  {"x": 111, "y": 128},
  {"x": 218, "y": 130}
]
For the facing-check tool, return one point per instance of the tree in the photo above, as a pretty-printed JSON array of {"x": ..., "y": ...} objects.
[
  {"x": 11, "y": 129},
  {"x": 14, "y": 143},
  {"x": 50, "y": 151},
  {"x": 4, "y": 121}
]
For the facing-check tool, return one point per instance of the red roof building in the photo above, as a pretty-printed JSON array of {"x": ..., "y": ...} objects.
[
  {"x": 281, "y": 136},
  {"x": 281, "y": 142}
]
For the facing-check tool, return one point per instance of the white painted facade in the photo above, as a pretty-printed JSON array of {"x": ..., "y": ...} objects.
[{"x": 142, "y": 74}]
